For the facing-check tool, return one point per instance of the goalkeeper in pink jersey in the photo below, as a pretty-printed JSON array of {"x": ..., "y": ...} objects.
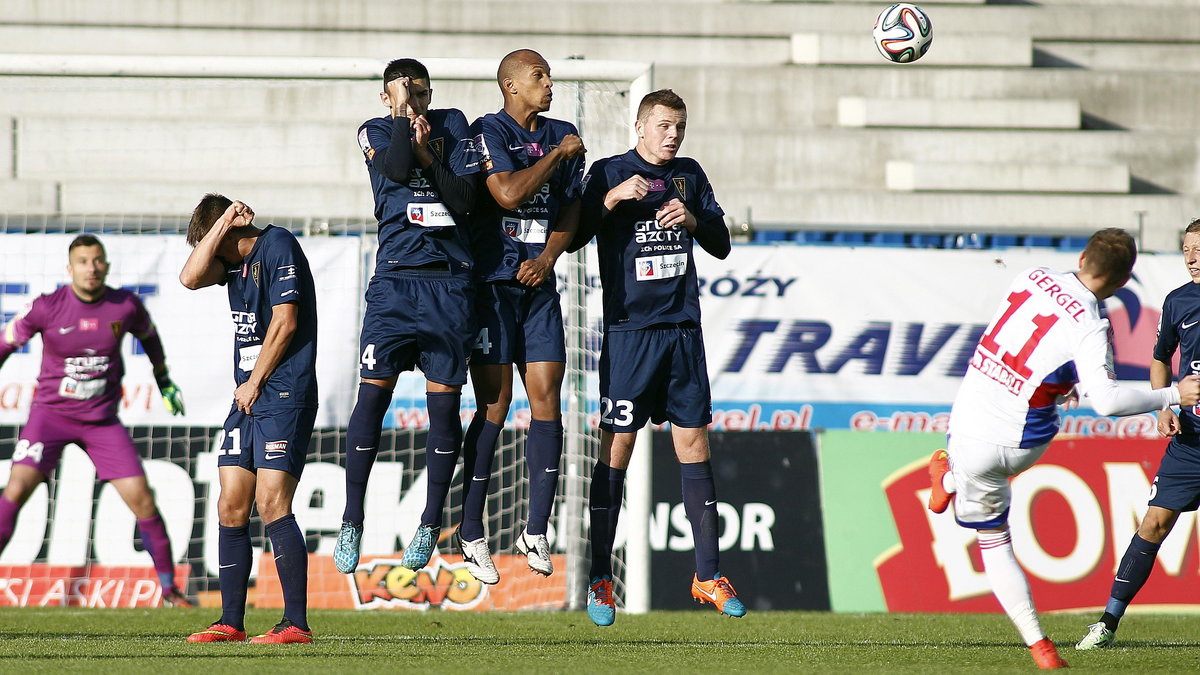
[{"x": 78, "y": 389}]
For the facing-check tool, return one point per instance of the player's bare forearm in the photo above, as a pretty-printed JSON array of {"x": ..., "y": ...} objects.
[
  {"x": 202, "y": 267},
  {"x": 279, "y": 335},
  {"x": 511, "y": 189}
]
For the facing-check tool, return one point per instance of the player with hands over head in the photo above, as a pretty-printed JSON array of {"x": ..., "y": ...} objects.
[{"x": 264, "y": 441}]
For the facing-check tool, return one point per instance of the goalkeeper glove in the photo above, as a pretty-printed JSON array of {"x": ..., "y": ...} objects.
[{"x": 172, "y": 397}]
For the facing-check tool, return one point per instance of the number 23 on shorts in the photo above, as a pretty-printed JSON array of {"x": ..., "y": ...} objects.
[{"x": 617, "y": 413}]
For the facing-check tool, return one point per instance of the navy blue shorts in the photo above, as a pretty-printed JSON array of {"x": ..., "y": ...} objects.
[
  {"x": 417, "y": 318},
  {"x": 658, "y": 374},
  {"x": 1177, "y": 485},
  {"x": 276, "y": 439},
  {"x": 519, "y": 324}
]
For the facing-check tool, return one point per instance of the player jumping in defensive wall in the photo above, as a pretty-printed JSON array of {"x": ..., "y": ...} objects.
[
  {"x": 648, "y": 208},
  {"x": 419, "y": 303},
  {"x": 524, "y": 221},
  {"x": 78, "y": 390},
  {"x": 265, "y": 438},
  {"x": 1048, "y": 343}
]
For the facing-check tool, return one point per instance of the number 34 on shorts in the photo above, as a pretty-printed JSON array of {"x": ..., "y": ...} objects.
[{"x": 617, "y": 413}]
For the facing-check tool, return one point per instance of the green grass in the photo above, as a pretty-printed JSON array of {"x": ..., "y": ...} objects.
[{"x": 69, "y": 639}]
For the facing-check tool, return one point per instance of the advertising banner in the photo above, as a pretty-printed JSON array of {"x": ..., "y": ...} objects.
[
  {"x": 770, "y": 540},
  {"x": 195, "y": 326},
  {"x": 1072, "y": 516}
]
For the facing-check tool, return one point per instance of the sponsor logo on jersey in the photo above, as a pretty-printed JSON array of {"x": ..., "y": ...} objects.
[
  {"x": 416, "y": 214},
  {"x": 534, "y": 150},
  {"x": 365, "y": 144},
  {"x": 511, "y": 226},
  {"x": 657, "y": 185},
  {"x": 287, "y": 272},
  {"x": 645, "y": 268},
  {"x": 116, "y": 328},
  {"x": 661, "y": 266},
  {"x": 681, "y": 186},
  {"x": 89, "y": 324},
  {"x": 276, "y": 446}
]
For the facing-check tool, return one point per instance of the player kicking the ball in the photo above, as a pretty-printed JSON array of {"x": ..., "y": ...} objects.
[
  {"x": 1177, "y": 483},
  {"x": 647, "y": 209},
  {"x": 1047, "y": 343},
  {"x": 265, "y": 438},
  {"x": 78, "y": 390}
]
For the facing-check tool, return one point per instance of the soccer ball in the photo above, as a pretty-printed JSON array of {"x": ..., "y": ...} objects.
[{"x": 903, "y": 32}]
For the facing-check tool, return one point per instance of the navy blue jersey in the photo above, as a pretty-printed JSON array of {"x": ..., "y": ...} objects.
[
  {"x": 274, "y": 273},
  {"x": 649, "y": 273},
  {"x": 504, "y": 238},
  {"x": 1177, "y": 329},
  {"x": 416, "y": 226}
]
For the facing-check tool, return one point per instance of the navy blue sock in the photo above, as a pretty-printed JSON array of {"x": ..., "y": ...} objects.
[
  {"x": 616, "y": 492},
  {"x": 291, "y": 560},
  {"x": 543, "y": 449},
  {"x": 479, "y": 448},
  {"x": 700, "y": 504},
  {"x": 442, "y": 445},
  {"x": 362, "y": 445},
  {"x": 598, "y": 512},
  {"x": 233, "y": 558},
  {"x": 1132, "y": 573}
]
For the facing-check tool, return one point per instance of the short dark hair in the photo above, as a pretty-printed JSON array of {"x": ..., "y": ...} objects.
[
  {"x": 1110, "y": 254},
  {"x": 664, "y": 97},
  {"x": 86, "y": 240},
  {"x": 410, "y": 68},
  {"x": 205, "y": 215},
  {"x": 1193, "y": 227}
]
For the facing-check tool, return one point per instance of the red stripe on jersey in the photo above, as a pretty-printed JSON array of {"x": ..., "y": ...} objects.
[{"x": 1047, "y": 393}]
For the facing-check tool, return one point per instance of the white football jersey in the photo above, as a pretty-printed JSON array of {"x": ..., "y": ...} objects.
[{"x": 1048, "y": 334}]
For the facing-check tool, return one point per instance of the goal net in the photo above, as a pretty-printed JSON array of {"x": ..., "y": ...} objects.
[{"x": 278, "y": 133}]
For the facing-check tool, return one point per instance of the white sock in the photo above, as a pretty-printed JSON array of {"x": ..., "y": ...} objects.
[
  {"x": 948, "y": 483},
  {"x": 1009, "y": 584}
]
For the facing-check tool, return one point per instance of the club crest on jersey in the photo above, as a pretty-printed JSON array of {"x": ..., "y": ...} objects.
[
  {"x": 657, "y": 185},
  {"x": 681, "y": 185},
  {"x": 255, "y": 270},
  {"x": 116, "y": 328},
  {"x": 512, "y": 226},
  {"x": 435, "y": 146}
]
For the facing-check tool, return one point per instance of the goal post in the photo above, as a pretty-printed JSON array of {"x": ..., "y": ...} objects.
[{"x": 599, "y": 96}]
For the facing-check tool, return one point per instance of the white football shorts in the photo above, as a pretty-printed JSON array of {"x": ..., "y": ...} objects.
[{"x": 981, "y": 477}]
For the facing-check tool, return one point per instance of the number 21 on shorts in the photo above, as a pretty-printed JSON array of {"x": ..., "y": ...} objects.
[{"x": 618, "y": 413}]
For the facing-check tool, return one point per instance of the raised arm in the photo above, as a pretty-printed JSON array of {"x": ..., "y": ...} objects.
[
  {"x": 511, "y": 189},
  {"x": 1098, "y": 383},
  {"x": 203, "y": 266}
]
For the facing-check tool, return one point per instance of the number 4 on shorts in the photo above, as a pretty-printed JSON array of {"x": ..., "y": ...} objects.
[{"x": 368, "y": 357}]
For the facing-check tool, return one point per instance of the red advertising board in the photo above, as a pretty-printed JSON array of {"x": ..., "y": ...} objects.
[
  {"x": 1073, "y": 514},
  {"x": 41, "y": 585}
]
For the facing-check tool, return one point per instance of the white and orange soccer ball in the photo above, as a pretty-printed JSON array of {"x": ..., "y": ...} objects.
[{"x": 903, "y": 32}]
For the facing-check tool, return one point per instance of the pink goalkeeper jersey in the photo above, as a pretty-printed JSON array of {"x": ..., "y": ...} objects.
[
  {"x": 81, "y": 349},
  {"x": 1046, "y": 336}
]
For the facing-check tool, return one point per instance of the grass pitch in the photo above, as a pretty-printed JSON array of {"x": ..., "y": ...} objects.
[{"x": 121, "y": 641}]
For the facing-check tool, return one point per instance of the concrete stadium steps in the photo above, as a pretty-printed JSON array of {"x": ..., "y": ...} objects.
[
  {"x": 267, "y": 152},
  {"x": 682, "y": 49},
  {"x": 150, "y": 197},
  {"x": 1164, "y": 215},
  {"x": 926, "y": 176},
  {"x": 1167, "y": 23},
  {"x": 961, "y": 49},
  {"x": 959, "y": 114},
  {"x": 1119, "y": 56},
  {"x": 798, "y": 96},
  {"x": 850, "y": 159}
]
